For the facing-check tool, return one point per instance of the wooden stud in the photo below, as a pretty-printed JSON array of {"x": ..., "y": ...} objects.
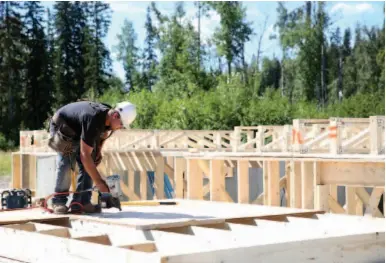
[
  {"x": 194, "y": 181},
  {"x": 351, "y": 206},
  {"x": 243, "y": 181},
  {"x": 321, "y": 197},
  {"x": 218, "y": 184},
  {"x": 159, "y": 178},
  {"x": 16, "y": 170},
  {"x": 265, "y": 182},
  {"x": 273, "y": 183},
  {"x": 180, "y": 168},
  {"x": 377, "y": 128},
  {"x": 296, "y": 184},
  {"x": 307, "y": 185},
  {"x": 143, "y": 185},
  {"x": 335, "y": 130}
]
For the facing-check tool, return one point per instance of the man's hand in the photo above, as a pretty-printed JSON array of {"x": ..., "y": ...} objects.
[{"x": 102, "y": 186}]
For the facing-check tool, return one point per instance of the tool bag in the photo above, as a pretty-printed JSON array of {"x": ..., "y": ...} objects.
[{"x": 63, "y": 138}]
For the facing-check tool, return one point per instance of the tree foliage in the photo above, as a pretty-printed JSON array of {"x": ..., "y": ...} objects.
[{"x": 178, "y": 79}]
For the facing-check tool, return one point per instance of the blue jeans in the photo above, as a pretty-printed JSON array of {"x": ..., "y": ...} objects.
[{"x": 64, "y": 165}]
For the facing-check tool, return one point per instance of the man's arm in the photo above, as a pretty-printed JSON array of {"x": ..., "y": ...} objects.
[
  {"x": 88, "y": 163},
  {"x": 88, "y": 136}
]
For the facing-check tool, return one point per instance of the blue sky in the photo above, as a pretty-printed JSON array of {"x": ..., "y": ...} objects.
[{"x": 344, "y": 14}]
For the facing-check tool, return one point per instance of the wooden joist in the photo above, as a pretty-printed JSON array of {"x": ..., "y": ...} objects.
[{"x": 212, "y": 232}]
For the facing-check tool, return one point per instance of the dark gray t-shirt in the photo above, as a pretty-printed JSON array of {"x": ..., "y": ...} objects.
[{"x": 87, "y": 119}]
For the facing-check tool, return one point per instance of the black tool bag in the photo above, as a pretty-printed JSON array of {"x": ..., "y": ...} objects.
[{"x": 63, "y": 138}]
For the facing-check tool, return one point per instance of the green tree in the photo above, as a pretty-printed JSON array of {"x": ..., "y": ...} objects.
[
  {"x": 12, "y": 69},
  {"x": 149, "y": 65},
  {"x": 233, "y": 33},
  {"x": 96, "y": 55},
  {"x": 38, "y": 82},
  {"x": 127, "y": 51}
]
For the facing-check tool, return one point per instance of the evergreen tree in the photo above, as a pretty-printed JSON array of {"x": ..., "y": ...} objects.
[
  {"x": 150, "y": 62},
  {"x": 96, "y": 55},
  {"x": 128, "y": 54},
  {"x": 12, "y": 69},
  {"x": 38, "y": 82},
  {"x": 233, "y": 33}
]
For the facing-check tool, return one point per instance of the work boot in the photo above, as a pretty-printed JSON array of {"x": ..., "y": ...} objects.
[
  {"x": 60, "y": 209},
  {"x": 90, "y": 208},
  {"x": 85, "y": 208}
]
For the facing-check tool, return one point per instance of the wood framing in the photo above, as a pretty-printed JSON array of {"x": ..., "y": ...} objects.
[
  {"x": 211, "y": 232},
  {"x": 320, "y": 156}
]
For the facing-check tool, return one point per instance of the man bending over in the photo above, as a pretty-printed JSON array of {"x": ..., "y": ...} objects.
[{"x": 77, "y": 133}]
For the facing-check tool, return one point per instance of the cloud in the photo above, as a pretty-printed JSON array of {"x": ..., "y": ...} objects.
[
  {"x": 208, "y": 24},
  {"x": 127, "y": 8},
  {"x": 350, "y": 9}
]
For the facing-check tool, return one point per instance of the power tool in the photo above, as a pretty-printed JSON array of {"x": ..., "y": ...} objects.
[
  {"x": 112, "y": 199},
  {"x": 16, "y": 198}
]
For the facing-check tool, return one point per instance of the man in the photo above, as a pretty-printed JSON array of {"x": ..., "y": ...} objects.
[{"x": 78, "y": 131}]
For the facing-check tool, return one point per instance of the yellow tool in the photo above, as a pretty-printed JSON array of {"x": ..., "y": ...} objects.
[{"x": 147, "y": 203}]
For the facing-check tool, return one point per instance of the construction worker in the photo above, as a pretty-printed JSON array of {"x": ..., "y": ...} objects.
[{"x": 77, "y": 133}]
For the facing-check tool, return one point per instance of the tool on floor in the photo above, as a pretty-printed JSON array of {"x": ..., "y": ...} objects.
[
  {"x": 112, "y": 199},
  {"x": 16, "y": 199},
  {"x": 105, "y": 200}
]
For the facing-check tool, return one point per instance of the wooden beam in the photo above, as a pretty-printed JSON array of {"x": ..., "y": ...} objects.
[
  {"x": 243, "y": 181},
  {"x": 335, "y": 206},
  {"x": 180, "y": 169},
  {"x": 353, "y": 174},
  {"x": 273, "y": 183},
  {"x": 265, "y": 182},
  {"x": 296, "y": 184},
  {"x": 159, "y": 178},
  {"x": 143, "y": 185},
  {"x": 194, "y": 180},
  {"x": 372, "y": 205},
  {"x": 16, "y": 170},
  {"x": 321, "y": 197},
  {"x": 377, "y": 128},
  {"x": 365, "y": 198},
  {"x": 307, "y": 185},
  {"x": 217, "y": 180},
  {"x": 351, "y": 200}
]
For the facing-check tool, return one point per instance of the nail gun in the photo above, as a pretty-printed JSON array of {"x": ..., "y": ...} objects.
[{"x": 112, "y": 199}]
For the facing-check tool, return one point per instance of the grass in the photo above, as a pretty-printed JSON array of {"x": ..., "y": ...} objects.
[{"x": 5, "y": 163}]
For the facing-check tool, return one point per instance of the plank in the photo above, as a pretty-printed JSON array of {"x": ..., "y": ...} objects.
[
  {"x": 296, "y": 185},
  {"x": 194, "y": 180},
  {"x": 353, "y": 174},
  {"x": 217, "y": 180},
  {"x": 307, "y": 185},
  {"x": 358, "y": 248},
  {"x": 243, "y": 181},
  {"x": 56, "y": 250},
  {"x": 179, "y": 170},
  {"x": 159, "y": 178}
]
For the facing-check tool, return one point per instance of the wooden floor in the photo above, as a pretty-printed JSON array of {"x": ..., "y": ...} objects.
[{"x": 192, "y": 231}]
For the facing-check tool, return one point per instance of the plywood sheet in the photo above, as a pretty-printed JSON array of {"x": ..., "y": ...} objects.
[{"x": 187, "y": 212}]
